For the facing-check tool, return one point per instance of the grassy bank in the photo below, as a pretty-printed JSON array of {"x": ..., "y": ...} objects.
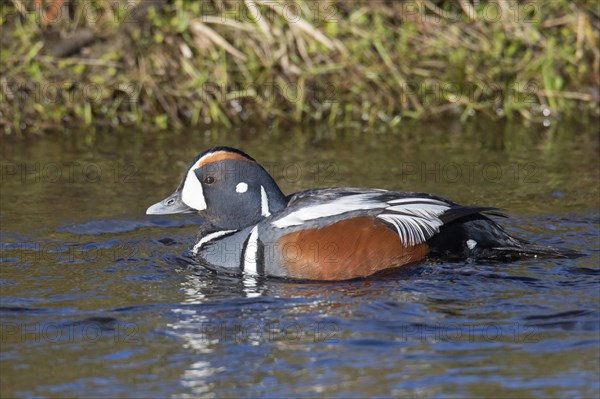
[{"x": 173, "y": 63}]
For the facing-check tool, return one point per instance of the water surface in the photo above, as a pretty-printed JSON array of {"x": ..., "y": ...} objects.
[{"x": 97, "y": 299}]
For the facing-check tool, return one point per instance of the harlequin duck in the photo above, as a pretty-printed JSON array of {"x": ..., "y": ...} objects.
[{"x": 250, "y": 227}]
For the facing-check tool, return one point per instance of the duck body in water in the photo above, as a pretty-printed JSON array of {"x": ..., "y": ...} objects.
[{"x": 250, "y": 227}]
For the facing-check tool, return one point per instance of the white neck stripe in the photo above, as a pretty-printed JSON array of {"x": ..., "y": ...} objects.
[
  {"x": 210, "y": 237},
  {"x": 264, "y": 202}
]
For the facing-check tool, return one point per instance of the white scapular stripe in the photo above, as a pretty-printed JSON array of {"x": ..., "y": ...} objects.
[
  {"x": 251, "y": 253},
  {"x": 418, "y": 200},
  {"x": 192, "y": 194},
  {"x": 210, "y": 237},
  {"x": 415, "y": 219},
  {"x": 264, "y": 202},
  {"x": 338, "y": 206}
]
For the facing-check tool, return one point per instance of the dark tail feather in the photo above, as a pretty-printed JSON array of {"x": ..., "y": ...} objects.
[
  {"x": 527, "y": 249},
  {"x": 476, "y": 236}
]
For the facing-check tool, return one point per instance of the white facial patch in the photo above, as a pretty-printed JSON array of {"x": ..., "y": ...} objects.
[
  {"x": 471, "y": 244},
  {"x": 241, "y": 188},
  {"x": 192, "y": 194}
]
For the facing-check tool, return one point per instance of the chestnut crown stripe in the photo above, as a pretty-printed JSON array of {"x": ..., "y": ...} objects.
[{"x": 218, "y": 156}]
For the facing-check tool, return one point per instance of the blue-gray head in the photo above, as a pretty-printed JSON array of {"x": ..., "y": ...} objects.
[{"x": 227, "y": 188}]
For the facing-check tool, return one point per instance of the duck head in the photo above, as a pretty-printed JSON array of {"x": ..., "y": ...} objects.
[{"x": 227, "y": 188}]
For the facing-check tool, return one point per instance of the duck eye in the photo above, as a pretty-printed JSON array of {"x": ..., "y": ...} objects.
[{"x": 209, "y": 180}]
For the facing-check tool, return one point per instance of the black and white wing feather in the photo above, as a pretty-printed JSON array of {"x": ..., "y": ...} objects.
[{"x": 415, "y": 217}]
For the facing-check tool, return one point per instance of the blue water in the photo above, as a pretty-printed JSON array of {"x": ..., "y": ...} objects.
[{"x": 98, "y": 300}]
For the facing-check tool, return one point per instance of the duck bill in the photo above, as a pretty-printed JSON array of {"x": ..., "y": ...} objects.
[{"x": 170, "y": 205}]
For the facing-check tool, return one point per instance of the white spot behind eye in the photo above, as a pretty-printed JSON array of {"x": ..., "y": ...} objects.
[
  {"x": 471, "y": 244},
  {"x": 241, "y": 187}
]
